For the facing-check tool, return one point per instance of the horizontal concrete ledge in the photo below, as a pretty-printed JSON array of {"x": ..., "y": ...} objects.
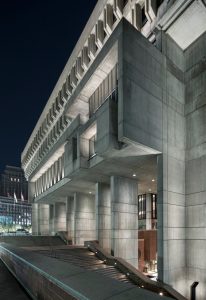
[
  {"x": 17, "y": 265},
  {"x": 10, "y": 288}
]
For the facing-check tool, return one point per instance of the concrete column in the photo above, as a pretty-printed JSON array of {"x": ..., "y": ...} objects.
[
  {"x": 195, "y": 170},
  {"x": 35, "y": 219},
  {"x": 84, "y": 218},
  {"x": 51, "y": 220},
  {"x": 71, "y": 218},
  {"x": 171, "y": 171},
  {"x": 124, "y": 219},
  {"x": 59, "y": 216},
  {"x": 148, "y": 212},
  {"x": 103, "y": 215},
  {"x": 44, "y": 219}
]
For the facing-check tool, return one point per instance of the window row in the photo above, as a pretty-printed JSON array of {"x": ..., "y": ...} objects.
[
  {"x": 95, "y": 41},
  {"x": 54, "y": 174},
  {"x": 50, "y": 118},
  {"x": 103, "y": 91},
  {"x": 51, "y": 138}
]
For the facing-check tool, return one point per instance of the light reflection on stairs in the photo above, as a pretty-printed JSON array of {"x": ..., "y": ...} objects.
[{"x": 82, "y": 257}]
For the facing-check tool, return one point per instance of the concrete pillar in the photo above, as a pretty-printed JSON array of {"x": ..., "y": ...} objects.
[
  {"x": 59, "y": 216},
  {"x": 171, "y": 171},
  {"x": 195, "y": 169},
  {"x": 71, "y": 218},
  {"x": 44, "y": 219},
  {"x": 35, "y": 219},
  {"x": 148, "y": 212},
  {"x": 103, "y": 215},
  {"x": 51, "y": 220},
  {"x": 124, "y": 219},
  {"x": 84, "y": 218}
]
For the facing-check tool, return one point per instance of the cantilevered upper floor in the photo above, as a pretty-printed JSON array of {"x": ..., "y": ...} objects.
[{"x": 96, "y": 110}]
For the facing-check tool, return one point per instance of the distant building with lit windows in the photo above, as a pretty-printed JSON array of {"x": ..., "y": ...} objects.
[
  {"x": 14, "y": 215},
  {"x": 15, "y": 211},
  {"x": 13, "y": 183}
]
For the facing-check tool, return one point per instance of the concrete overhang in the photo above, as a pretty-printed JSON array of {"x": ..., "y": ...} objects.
[
  {"x": 185, "y": 21},
  {"x": 84, "y": 180}
]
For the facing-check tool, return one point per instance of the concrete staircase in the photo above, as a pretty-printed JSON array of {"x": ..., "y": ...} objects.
[{"x": 83, "y": 258}]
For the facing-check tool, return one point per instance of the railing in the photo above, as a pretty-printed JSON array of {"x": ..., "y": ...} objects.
[{"x": 132, "y": 273}]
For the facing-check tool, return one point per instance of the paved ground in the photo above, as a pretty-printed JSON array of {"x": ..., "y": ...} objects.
[{"x": 9, "y": 286}]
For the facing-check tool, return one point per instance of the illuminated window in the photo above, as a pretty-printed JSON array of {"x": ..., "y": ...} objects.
[
  {"x": 154, "y": 206},
  {"x": 142, "y": 207}
]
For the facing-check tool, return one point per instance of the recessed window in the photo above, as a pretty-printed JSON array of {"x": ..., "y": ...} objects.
[
  {"x": 144, "y": 18},
  {"x": 92, "y": 146},
  {"x": 74, "y": 148}
]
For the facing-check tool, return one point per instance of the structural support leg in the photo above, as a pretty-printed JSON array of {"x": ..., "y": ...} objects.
[
  {"x": 124, "y": 219},
  {"x": 70, "y": 218},
  {"x": 44, "y": 219},
  {"x": 60, "y": 217},
  {"x": 35, "y": 219},
  {"x": 51, "y": 220},
  {"x": 103, "y": 215},
  {"x": 84, "y": 218}
]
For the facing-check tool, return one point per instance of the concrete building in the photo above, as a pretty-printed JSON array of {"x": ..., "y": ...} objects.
[{"x": 126, "y": 118}]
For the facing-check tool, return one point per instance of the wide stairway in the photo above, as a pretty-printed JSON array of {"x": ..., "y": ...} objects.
[
  {"x": 51, "y": 270},
  {"x": 83, "y": 258}
]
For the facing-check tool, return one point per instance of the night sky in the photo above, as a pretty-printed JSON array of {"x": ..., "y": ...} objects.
[{"x": 36, "y": 39}]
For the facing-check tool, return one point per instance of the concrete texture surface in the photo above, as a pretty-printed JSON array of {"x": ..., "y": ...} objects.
[{"x": 9, "y": 286}]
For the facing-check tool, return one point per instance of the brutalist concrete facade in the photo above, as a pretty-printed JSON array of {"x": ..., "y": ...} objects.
[{"x": 127, "y": 116}]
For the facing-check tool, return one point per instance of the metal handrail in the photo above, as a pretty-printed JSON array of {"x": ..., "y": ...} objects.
[{"x": 132, "y": 273}]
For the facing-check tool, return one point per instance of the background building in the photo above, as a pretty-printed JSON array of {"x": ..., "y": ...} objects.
[
  {"x": 14, "y": 215},
  {"x": 127, "y": 118},
  {"x": 15, "y": 211},
  {"x": 13, "y": 183}
]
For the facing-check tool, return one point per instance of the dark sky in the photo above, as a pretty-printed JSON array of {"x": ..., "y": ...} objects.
[{"x": 36, "y": 39}]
